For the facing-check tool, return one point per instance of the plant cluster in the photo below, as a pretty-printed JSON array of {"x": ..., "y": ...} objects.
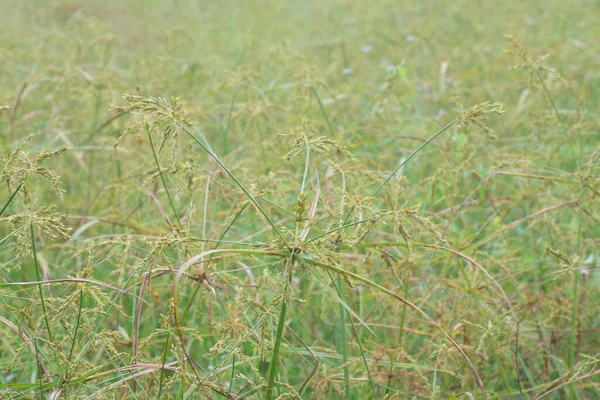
[{"x": 312, "y": 219}]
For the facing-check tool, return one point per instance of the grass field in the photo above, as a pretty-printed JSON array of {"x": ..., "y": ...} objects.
[{"x": 316, "y": 200}]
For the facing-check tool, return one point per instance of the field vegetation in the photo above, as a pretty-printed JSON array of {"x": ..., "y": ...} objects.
[{"x": 316, "y": 200}]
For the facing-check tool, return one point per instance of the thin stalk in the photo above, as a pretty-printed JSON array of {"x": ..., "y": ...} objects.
[
  {"x": 322, "y": 110},
  {"x": 329, "y": 232},
  {"x": 423, "y": 314},
  {"x": 306, "y": 164},
  {"x": 574, "y": 301},
  {"x": 162, "y": 178},
  {"x": 76, "y": 324},
  {"x": 344, "y": 345},
  {"x": 403, "y": 315},
  {"x": 181, "y": 390},
  {"x": 10, "y": 199},
  {"x": 37, "y": 272},
  {"x": 77, "y": 320},
  {"x": 560, "y": 121},
  {"x": 233, "y": 348},
  {"x": 226, "y": 131},
  {"x": 279, "y": 335},
  {"x": 415, "y": 152},
  {"x": 190, "y": 302},
  {"x": 181, "y": 271},
  {"x": 362, "y": 352},
  {"x": 403, "y": 163},
  {"x": 250, "y": 197},
  {"x": 37, "y": 351},
  {"x": 573, "y": 333},
  {"x": 162, "y": 370},
  {"x": 528, "y": 374},
  {"x": 232, "y": 373},
  {"x": 205, "y": 211}
]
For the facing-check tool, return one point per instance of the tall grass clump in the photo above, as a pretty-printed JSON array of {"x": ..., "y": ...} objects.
[{"x": 342, "y": 201}]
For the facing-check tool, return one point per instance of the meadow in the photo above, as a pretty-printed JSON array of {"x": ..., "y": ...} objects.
[{"x": 299, "y": 200}]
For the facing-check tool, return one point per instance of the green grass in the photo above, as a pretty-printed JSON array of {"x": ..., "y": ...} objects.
[{"x": 299, "y": 200}]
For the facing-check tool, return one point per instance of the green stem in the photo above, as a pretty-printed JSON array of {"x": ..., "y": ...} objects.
[
  {"x": 415, "y": 152},
  {"x": 358, "y": 341},
  {"x": 574, "y": 302},
  {"x": 162, "y": 178},
  {"x": 403, "y": 315},
  {"x": 560, "y": 121},
  {"x": 329, "y": 232},
  {"x": 37, "y": 352},
  {"x": 76, "y": 324},
  {"x": 162, "y": 370},
  {"x": 323, "y": 110},
  {"x": 403, "y": 163},
  {"x": 279, "y": 335},
  {"x": 250, "y": 197},
  {"x": 343, "y": 343},
  {"x": 306, "y": 164},
  {"x": 10, "y": 199},
  {"x": 37, "y": 272},
  {"x": 232, "y": 373},
  {"x": 226, "y": 132}
]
